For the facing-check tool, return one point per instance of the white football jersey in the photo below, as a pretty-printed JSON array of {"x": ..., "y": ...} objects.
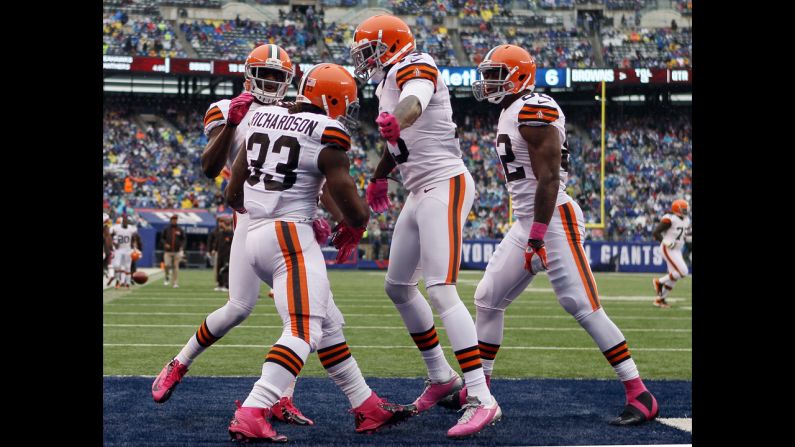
[
  {"x": 284, "y": 181},
  {"x": 533, "y": 109},
  {"x": 216, "y": 115},
  {"x": 123, "y": 236},
  {"x": 677, "y": 231},
  {"x": 427, "y": 151}
]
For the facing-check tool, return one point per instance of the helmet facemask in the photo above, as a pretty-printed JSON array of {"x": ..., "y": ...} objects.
[
  {"x": 350, "y": 119},
  {"x": 366, "y": 58},
  {"x": 268, "y": 81},
  {"x": 493, "y": 83}
]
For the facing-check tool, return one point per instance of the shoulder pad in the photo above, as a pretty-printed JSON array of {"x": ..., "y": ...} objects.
[
  {"x": 416, "y": 66},
  {"x": 335, "y": 134},
  {"x": 538, "y": 109}
]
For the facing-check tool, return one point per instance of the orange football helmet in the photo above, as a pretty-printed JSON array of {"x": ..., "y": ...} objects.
[
  {"x": 135, "y": 255},
  {"x": 679, "y": 207},
  {"x": 506, "y": 69},
  {"x": 333, "y": 89},
  {"x": 379, "y": 41},
  {"x": 268, "y": 72}
]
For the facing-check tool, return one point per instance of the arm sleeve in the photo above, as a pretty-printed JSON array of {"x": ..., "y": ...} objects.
[{"x": 422, "y": 88}]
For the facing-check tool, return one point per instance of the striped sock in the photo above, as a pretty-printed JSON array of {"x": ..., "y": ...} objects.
[
  {"x": 200, "y": 341},
  {"x": 344, "y": 371},
  {"x": 428, "y": 344},
  {"x": 620, "y": 359},
  {"x": 488, "y": 352},
  {"x": 282, "y": 365}
]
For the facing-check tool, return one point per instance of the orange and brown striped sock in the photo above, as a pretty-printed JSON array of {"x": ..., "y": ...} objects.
[
  {"x": 334, "y": 354},
  {"x": 344, "y": 371},
  {"x": 621, "y": 360},
  {"x": 428, "y": 343},
  {"x": 488, "y": 352}
]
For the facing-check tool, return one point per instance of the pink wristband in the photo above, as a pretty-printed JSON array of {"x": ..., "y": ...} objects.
[{"x": 538, "y": 230}]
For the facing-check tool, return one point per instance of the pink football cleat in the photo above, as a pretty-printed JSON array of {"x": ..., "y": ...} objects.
[
  {"x": 456, "y": 400},
  {"x": 640, "y": 409},
  {"x": 168, "y": 379},
  {"x": 251, "y": 424},
  {"x": 434, "y": 392},
  {"x": 476, "y": 416},
  {"x": 285, "y": 411},
  {"x": 376, "y": 413}
]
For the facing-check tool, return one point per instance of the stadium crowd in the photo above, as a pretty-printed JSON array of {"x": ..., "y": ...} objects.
[
  {"x": 234, "y": 39},
  {"x": 157, "y": 164},
  {"x": 151, "y": 36},
  {"x": 645, "y": 47},
  {"x": 551, "y": 48}
]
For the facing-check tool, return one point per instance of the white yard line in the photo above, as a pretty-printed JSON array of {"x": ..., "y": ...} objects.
[{"x": 685, "y": 424}]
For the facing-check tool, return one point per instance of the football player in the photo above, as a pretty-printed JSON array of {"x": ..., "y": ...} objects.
[
  {"x": 107, "y": 247},
  {"x": 276, "y": 181},
  {"x": 123, "y": 235},
  {"x": 548, "y": 232},
  {"x": 268, "y": 74},
  {"x": 672, "y": 232},
  {"x": 422, "y": 142}
]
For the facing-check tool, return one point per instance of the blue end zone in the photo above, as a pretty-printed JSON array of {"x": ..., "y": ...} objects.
[{"x": 535, "y": 412}]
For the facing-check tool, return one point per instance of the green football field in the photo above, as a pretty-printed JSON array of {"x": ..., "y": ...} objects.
[{"x": 146, "y": 326}]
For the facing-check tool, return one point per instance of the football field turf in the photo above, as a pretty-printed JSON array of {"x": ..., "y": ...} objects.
[
  {"x": 148, "y": 325},
  {"x": 559, "y": 398}
]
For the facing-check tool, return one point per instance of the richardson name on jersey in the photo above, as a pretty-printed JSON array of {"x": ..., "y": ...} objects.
[{"x": 267, "y": 120}]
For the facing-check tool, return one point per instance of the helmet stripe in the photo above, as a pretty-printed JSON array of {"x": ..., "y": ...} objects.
[
  {"x": 274, "y": 52},
  {"x": 488, "y": 55}
]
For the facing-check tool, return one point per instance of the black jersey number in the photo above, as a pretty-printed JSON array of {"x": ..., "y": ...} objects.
[
  {"x": 286, "y": 169},
  {"x": 564, "y": 156},
  {"x": 509, "y": 156},
  {"x": 679, "y": 236},
  {"x": 403, "y": 155}
]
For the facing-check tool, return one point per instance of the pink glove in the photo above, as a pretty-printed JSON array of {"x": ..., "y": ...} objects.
[
  {"x": 377, "y": 196},
  {"x": 346, "y": 239},
  {"x": 238, "y": 108},
  {"x": 388, "y": 126},
  {"x": 322, "y": 230}
]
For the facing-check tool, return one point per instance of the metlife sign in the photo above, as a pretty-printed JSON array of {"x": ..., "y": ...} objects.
[
  {"x": 464, "y": 76},
  {"x": 453, "y": 77}
]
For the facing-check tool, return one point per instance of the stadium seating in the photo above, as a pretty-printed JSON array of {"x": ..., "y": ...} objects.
[
  {"x": 551, "y": 48},
  {"x": 646, "y": 47},
  {"x": 234, "y": 39},
  {"x": 123, "y": 35}
]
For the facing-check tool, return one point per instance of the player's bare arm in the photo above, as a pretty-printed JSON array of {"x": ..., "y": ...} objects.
[
  {"x": 334, "y": 164},
  {"x": 234, "y": 190},
  {"x": 661, "y": 228},
  {"x": 386, "y": 165},
  {"x": 136, "y": 242},
  {"x": 543, "y": 144},
  {"x": 408, "y": 111},
  {"x": 330, "y": 205},
  {"x": 217, "y": 150}
]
